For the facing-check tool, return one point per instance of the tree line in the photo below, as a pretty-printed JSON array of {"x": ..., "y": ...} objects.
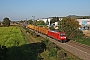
[{"x": 6, "y": 22}]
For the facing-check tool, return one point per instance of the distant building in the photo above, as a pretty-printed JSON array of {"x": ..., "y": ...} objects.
[
  {"x": 49, "y": 19},
  {"x": 45, "y": 19},
  {"x": 1, "y": 23},
  {"x": 84, "y": 23}
]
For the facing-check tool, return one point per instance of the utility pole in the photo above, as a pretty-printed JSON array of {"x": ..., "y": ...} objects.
[
  {"x": 33, "y": 20},
  {"x": 26, "y": 22}
]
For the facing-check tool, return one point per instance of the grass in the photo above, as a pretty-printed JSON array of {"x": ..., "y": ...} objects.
[
  {"x": 45, "y": 55},
  {"x": 12, "y": 36},
  {"x": 83, "y": 40},
  {"x": 18, "y": 47}
]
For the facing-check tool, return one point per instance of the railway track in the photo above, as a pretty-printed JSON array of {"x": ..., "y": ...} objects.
[
  {"x": 80, "y": 50},
  {"x": 79, "y": 46}
]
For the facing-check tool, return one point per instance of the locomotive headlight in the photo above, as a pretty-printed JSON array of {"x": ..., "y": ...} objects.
[
  {"x": 64, "y": 37},
  {"x": 61, "y": 37}
]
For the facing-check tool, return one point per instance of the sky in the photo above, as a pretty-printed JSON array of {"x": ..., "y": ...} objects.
[{"x": 17, "y": 10}]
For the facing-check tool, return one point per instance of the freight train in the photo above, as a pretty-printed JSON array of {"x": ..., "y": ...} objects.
[{"x": 60, "y": 36}]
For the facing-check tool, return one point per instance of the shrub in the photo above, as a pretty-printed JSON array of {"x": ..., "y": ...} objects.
[
  {"x": 50, "y": 46},
  {"x": 53, "y": 52},
  {"x": 61, "y": 55},
  {"x": 45, "y": 41},
  {"x": 34, "y": 34}
]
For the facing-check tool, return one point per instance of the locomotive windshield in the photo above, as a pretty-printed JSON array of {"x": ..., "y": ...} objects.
[{"x": 62, "y": 34}]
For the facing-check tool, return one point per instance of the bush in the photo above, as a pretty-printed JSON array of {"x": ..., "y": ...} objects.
[
  {"x": 45, "y": 41},
  {"x": 50, "y": 46},
  {"x": 34, "y": 34},
  {"x": 61, "y": 55},
  {"x": 27, "y": 30},
  {"x": 52, "y": 28},
  {"x": 53, "y": 52}
]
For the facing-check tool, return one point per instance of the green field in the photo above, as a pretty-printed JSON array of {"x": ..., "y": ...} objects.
[
  {"x": 12, "y": 36},
  {"x": 17, "y": 45}
]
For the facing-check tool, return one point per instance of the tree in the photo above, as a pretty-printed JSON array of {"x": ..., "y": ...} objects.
[
  {"x": 70, "y": 26},
  {"x": 21, "y": 21},
  {"x": 41, "y": 22},
  {"x": 0, "y": 23},
  {"x": 52, "y": 28},
  {"x": 54, "y": 19},
  {"x": 86, "y": 17},
  {"x": 6, "y": 22},
  {"x": 30, "y": 21},
  {"x": 47, "y": 22}
]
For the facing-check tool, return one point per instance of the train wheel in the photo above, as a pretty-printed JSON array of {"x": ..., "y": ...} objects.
[
  {"x": 65, "y": 41},
  {"x": 61, "y": 41}
]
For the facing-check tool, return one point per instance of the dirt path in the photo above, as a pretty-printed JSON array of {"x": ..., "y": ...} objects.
[{"x": 27, "y": 35}]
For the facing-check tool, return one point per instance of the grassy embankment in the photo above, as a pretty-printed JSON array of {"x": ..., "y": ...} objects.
[{"x": 83, "y": 39}]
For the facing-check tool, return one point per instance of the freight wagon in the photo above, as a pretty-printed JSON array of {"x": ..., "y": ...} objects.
[{"x": 44, "y": 30}]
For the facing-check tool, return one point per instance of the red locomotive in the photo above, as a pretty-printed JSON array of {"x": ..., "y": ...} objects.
[{"x": 60, "y": 36}]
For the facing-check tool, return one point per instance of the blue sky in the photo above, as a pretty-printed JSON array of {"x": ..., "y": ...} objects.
[{"x": 22, "y": 9}]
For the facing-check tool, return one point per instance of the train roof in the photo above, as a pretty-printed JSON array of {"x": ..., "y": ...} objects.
[{"x": 56, "y": 31}]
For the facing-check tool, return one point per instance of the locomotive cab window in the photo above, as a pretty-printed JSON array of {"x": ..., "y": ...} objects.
[{"x": 62, "y": 34}]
